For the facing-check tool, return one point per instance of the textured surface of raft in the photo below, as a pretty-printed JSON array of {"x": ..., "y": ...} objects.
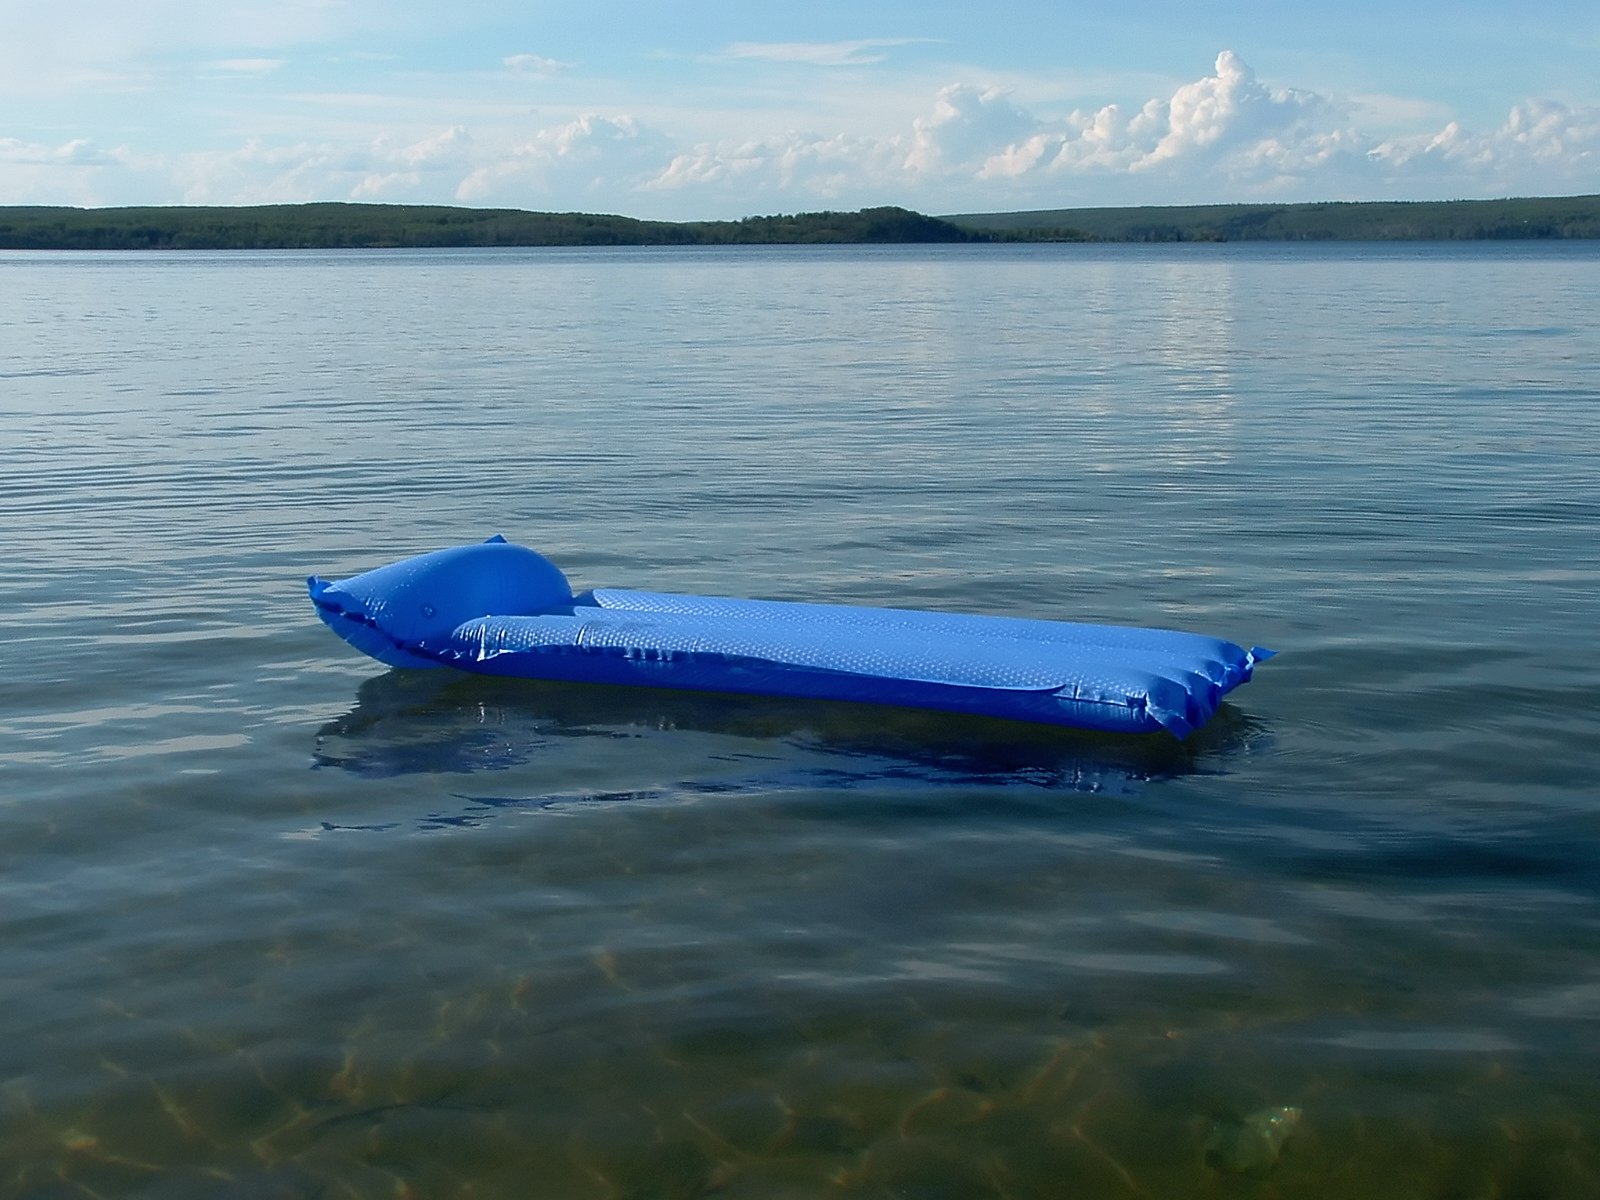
[{"x": 500, "y": 609}]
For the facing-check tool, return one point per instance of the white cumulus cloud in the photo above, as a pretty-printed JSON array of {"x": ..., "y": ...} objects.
[
  {"x": 399, "y": 169},
  {"x": 1542, "y": 146},
  {"x": 1227, "y": 130},
  {"x": 594, "y": 158},
  {"x": 385, "y": 168},
  {"x": 965, "y": 129},
  {"x": 1232, "y": 109},
  {"x": 784, "y": 172}
]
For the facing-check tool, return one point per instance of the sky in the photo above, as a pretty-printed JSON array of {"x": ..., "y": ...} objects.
[{"x": 718, "y": 110}]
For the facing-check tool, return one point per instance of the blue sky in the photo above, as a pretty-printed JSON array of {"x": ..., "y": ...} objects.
[{"x": 718, "y": 110}]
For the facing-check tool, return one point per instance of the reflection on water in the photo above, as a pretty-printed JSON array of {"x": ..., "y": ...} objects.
[
  {"x": 1193, "y": 340},
  {"x": 445, "y": 722}
]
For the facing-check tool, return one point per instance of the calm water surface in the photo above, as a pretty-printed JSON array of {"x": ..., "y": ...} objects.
[{"x": 277, "y": 922}]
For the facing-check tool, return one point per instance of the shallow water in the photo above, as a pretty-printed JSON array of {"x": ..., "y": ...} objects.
[{"x": 275, "y": 921}]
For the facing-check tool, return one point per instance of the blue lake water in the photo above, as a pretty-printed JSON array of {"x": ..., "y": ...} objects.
[{"x": 278, "y": 922}]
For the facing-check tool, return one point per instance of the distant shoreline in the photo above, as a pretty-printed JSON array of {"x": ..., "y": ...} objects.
[
  {"x": 1535, "y": 218},
  {"x": 329, "y": 226}
]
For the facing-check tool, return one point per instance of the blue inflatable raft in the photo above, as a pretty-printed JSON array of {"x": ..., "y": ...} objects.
[{"x": 500, "y": 609}]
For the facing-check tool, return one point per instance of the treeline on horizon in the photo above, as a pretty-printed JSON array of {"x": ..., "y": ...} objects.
[
  {"x": 393, "y": 226},
  {"x": 1335, "y": 221},
  {"x": 336, "y": 226}
]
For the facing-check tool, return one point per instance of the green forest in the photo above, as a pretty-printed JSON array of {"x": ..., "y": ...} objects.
[
  {"x": 388, "y": 226},
  {"x": 1363, "y": 221},
  {"x": 382, "y": 226}
]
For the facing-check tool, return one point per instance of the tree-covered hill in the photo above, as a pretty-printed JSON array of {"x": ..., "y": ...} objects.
[
  {"x": 366, "y": 226},
  {"x": 350, "y": 226},
  {"x": 1427, "y": 220}
]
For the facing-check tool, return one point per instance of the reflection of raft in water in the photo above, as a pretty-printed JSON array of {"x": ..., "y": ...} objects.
[{"x": 499, "y": 609}]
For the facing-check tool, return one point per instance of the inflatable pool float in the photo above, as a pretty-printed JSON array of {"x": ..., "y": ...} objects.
[{"x": 500, "y": 609}]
